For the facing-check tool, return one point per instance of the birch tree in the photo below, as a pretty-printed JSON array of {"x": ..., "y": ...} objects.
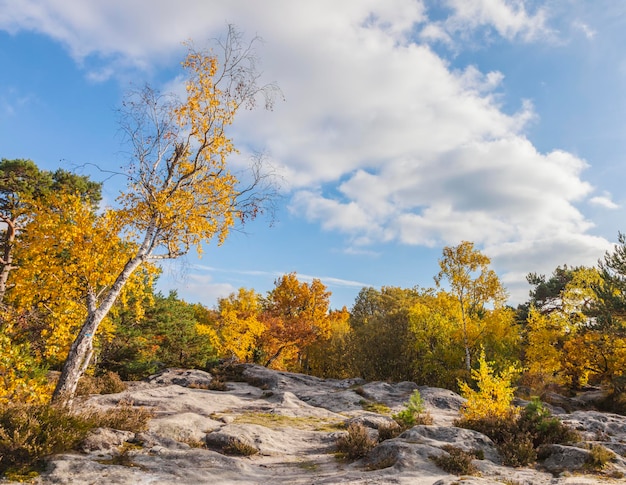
[
  {"x": 473, "y": 284},
  {"x": 181, "y": 192}
]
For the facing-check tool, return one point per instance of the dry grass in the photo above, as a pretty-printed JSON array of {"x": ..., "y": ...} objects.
[
  {"x": 277, "y": 421},
  {"x": 456, "y": 461},
  {"x": 29, "y": 433},
  {"x": 107, "y": 383},
  {"x": 356, "y": 443},
  {"x": 239, "y": 447}
]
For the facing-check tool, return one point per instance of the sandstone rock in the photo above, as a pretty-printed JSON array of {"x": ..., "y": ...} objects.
[
  {"x": 439, "y": 436},
  {"x": 185, "y": 427},
  {"x": 105, "y": 439},
  {"x": 182, "y": 377},
  {"x": 293, "y": 421},
  {"x": 561, "y": 458}
]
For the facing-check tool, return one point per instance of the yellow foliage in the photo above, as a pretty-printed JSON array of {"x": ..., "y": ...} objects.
[
  {"x": 238, "y": 328},
  {"x": 296, "y": 315},
  {"x": 330, "y": 357},
  {"x": 20, "y": 378},
  {"x": 546, "y": 335},
  {"x": 475, "y": 287},
  {"x": 494, "y": 395},
  {"x": 187, "y": 195},
  {"x": 68, "y": 252}
]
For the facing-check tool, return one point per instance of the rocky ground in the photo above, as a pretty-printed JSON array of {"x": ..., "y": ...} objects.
[{"x": 294, "y": 421}]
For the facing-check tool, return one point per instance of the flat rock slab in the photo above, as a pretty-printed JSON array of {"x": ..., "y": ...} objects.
[{"x": 292, "y": 422}]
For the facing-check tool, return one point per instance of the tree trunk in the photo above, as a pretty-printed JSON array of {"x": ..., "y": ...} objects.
[
  {"x": 81, "y": 349},
  {"x": 7, "y": 257},
  {"x": 468, "y": 357},
  {"x": 77, "y": 361},
  {"x": 275, "y": 356}
]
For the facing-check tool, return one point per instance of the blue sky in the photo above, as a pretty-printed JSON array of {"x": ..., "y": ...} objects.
[{"x": 407, "y": 126}]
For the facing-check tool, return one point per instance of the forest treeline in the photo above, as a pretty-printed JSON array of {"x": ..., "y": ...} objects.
[{"x": 568, "y": 334}]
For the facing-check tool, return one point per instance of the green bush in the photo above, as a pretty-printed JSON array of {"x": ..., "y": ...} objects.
[
  {"x": 357, "y": 443},
  {"x": 544, "y": 429},
  {"x": 29, "y": 433}
]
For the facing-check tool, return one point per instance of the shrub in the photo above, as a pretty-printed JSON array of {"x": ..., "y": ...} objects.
[
  {"x": 517, "y": 450},
  {"x": 599, "y": 456},
  {"x": 124, "y": 417},
  {"x": 357, "y": 443},
  {"x": 107, "y": 383},
  {"x": 455, "y": 461},
  {"x": 29, "y": 433},
  {"x": 414, "y": 414},
  {"x": 544, "y": 429},
  {"x": 239, "y": 447},
  {"x": 388, "y": 431},
  {"x": 494, "y": 395},
  {"x": 218, "y": 384},
  {"x": 518, "y": 435}
]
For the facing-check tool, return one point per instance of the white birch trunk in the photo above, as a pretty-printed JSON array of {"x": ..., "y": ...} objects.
[{"x": 81, "y": 349}]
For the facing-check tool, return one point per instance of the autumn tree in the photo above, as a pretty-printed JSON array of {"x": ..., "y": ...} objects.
[
  {"x": 437, "y": 339},
  {"x": 331, "y": 357},
  {"x": 493, "y": 397},
  {"x": 180, "y": 191},
  {"x": 22, "y": 184},
  {"x": 581, "y": 338},
  {"x": 545, "y": 296},
  {"x": 296, "y": 315},
  {"x": 382, "y": 341},
  {"x": 474, "y": 285},
  {"x": 68, "y": 254},
  {"x": 239, "y": 327}
]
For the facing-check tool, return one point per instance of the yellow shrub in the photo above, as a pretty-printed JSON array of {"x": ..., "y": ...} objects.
[{"x": 494, "y": 395}]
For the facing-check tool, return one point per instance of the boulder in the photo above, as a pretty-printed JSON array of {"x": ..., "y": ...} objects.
[{"x": 182, "y": 377}]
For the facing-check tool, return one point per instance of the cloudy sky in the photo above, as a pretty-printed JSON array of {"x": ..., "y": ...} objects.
[{"x": 406, "y": 126}]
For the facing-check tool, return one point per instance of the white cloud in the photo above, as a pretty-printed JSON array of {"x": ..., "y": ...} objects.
[
  {"x": 379, "y": 138},
  {"x": 508, "y": 17},
  {"x": 587, "y": 31},
  {"x": 197, "y": 287},
  {"x": 604, "y": 201}
]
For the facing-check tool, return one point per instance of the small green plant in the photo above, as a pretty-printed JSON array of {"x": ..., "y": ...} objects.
[
  {"x": 414, "y": 414},
  {"x": 599, "y": 456},
  {"x": 357, "y": 443},
  {"x": 455, "y": 461}
]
